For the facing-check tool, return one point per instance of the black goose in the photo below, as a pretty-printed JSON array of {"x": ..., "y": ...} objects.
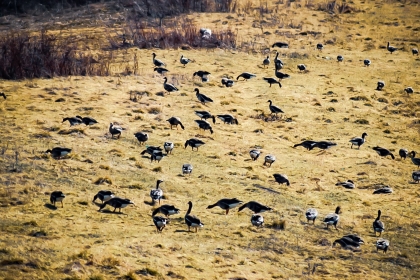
[
  {"x": 103, "y": 196},
  {"x": 226, "y": 204},
  {"x": 355, "y": 238},
  {"x": 415, "y": 160},
  {"x": 254, "y": 207},
  {"x": 187, "y": 168},
  {"x": 57, "y": 196},
  {"x": 115, "y": 130},
  {"x": 382, "y": 244},
  {"x": 156, "y": 194},
  {"x": 346, "y": 243},
  {"x": 281, "y": 179},
  {"x": 311, "y": 214},
  {"x": 157, "y": 156},
  {"x": 308, "y": 144},
  {"x": 157, "y": 62},
  {"x": 274, "y": 109},
  {"x": 257, "y": 220},
  {"x": 403, "y": 153},
  {"x": 168, "y": 146},
  {"x": 161, "y": 70},
  {"x": 366, "y": 62},
  {"x": 169, "y": 87},
  {"x": 383, "y": 152},
  {"x": 117, "y": 202},
  {"x": 416, "y": 176},
  {"x": 415, "y": 51},
  {"x": 358, "y": 140},
  {"x": 323, "y": 145},
  {"x": 205, "y": 115},
  {"x": 58, "y": 152},
  {"x": 269, "y": 160},
  {"x": 381, "y": 85},
  {"x": 160, "y": 223},
  {"x": 349, "y": 184},
  {"x": 201, "y": 97},
  {"x": 391, "y": 49},
  {"x": 166, "y": 210},
  {"x": 280, "y": 45},
  {"x": 301, "y": 67},
  {"x": 272, "y": 81},
  {"x": 151, "y": 150},
  {"x": 227, "y": 82},
  {"x": 194, "y": 143},
  {"x": 254, "y": 154},
  {"x": 278, "y": 64},
  {"x": 332, "y": 218},
  {"x": 409, "y": 90},
  {"x": 266, "y": 61},
  {"x": 87, "y": 120},
  {"x": 192, "y": 221},
  {"x": 142, "y": 137},
  {"x": 378, "y": 225},
  {"x": 383, "y": 190},
  {"x": 175, "y": 121},
  {"x": 202, "y": 74},
  {"x": 204, "y": 125},
  {"x": 184, "y": 61},
  {"x": 229, "y": 119},
  {"x": 319, "y": 46},
  {"x": 350, "y": 242},
  {"x": 340, "y": 58},
  {"x": 2, "y": 94},
  {"x": 281, "y": 75},
  {"x": 73, "y": 120},
  {"x": 246, "y": 76}
]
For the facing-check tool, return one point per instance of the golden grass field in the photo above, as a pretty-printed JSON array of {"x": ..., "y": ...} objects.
[{"x": 78, "y": 242}]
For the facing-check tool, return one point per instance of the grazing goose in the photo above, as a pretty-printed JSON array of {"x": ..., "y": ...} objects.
[
  {"x": 378, "y": 225},
  {"x": 391, "y": 49},
  {"x": 168, "y": 146},
  {"x": 281, "y": 179},
  {"x": 57, "y": 196},
  {"x": 205, "y": 33},
  {"x": 151, "y": 150},
  {"x": 415, "y": 51},
  {"x": 255, "y": 207},
  {"x": 319, "y": 46},
  {"x": 415, "y": 160},
  {"x": 157, "y": 62},
  {"x": 160, "y": 223},
  {"x": 166, "y": 210},
  {"x": 347, "y": 243},
  {"x": 226, "y": 204},
  {"x": 280, "y": 45},
  {"x": 184, "y": 61},
  {"x": 257, "y": 220},
  {"x": 187, "y": 168},
  {"x": 103, "y": 196},
  {"x": 266, "y": 61},
  {"x": 156, "y": 194},
  {"x": 308, "y": 144},
  {"x": 115, "y": 130},
  {"x": 332, "y": 218},
  {"x": 58, "y": 152},
  {"x": 227, "y": 82},
  {"x": 204, "y": 125},
  {"x": 383, "y": 152},
  {"x": 358, "y": 140},
  {"x": 272, "y": 81},
  {"x": 274, "y": 109},
  {"x": 278, "y": 64},
  {"x": 383, "y": 190},
  {"x": 355, "y": 238},
  {"x": 161, "y": 70},
  {"x": 323, "y": 145},
  {"x": 2, "y": 94},
  {"x": 366, "y": 62},
  {"x": 382, "y": 244},
  {"x": 194, "y": 143},
  {"x": 142, "y": 137},
  {"x": 157, "y": 156},
  {"x": 409, "y": 90},
  {"x": 403, "y": 153},
  {"x": 349, "y": 184},
  {"x": 246, "y": 76},
  {"x": 201, "y": 97},
  {"x": 311, "y": 214},
  {"x": 229, "y": 119},
  {"x": 87, "y": 120},
  {"x": 117, "y": 202},
  {"x": 205, "y": 115},
  {"x": 169, "y": 87},
  {"x": 192, "y": 221},
  {"x": 340, "y": 58},
  {"x": 175, "y": 121},
  {"x": 254, "y": 154},
  {"x": 301, "y": 67},
  {"x": 73, "y": 120},
  {"x": 381, "y": 85},
  {"x": 416, "y": 176},
  {"x": 269, "y": 159},
  {"x": 281, "y": 75},
  {"x": 202, "y": 74}
]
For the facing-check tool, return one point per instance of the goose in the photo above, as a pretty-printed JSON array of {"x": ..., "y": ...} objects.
[
  {"x": 255, "y": 207},
  {"x": 187, "y": 168},
  {"x": 278, "y": 64},
  {"x": 272, "y": 81},
  {"x": 115, "y": 130},
  {"x": 403, "y": 153},
  {"x": 201, "y": 73},
  {"x": 184, "y": 61},
  {"x": 254, "y": 154},
  {"x": 73, "y": 120},
  {"x": 156, "y": 194},
  {"x": 4, "y": 95},
  {"x": 311, "y": 214},
  {"x": 57, "y": 196},
  {"x": 342, "y": 242},
  {"x": 157, "y": 156},
  {"x": 116, "y": 202},
  {"x": 301, "y": 67},
  {"x": 157, "y": 62},
  {"x": 391, "y": 49},
  {"x": 366, "y": 62},
  {"x": 349, "y": 184},
  {"x": 205, "y": 115},
  {"x": 378, "y": 225},
  {"x": 415, "y": 160},
  {"x": 416, "y": 176},
  {"x": 201, "y": 97},
  {"x": 332, "y": 218},
  {"x": 175, "y": 121},
  {"x": 415, "y": 51},
  {"x": 226, "y": 204},
  {"x": 151, "y": 150},
  {"x": 205, "y": 33},
  {"x": 227, "y": 82},
  {"x": 266, "y": 61},
  {"x": 281, "y": 75},
  {"x": 160, "y": 223},
  {"x": 166, "y": 210},
  {"x": 168, "y": 146},
  {"x": 204, "y": 125},
  {"x": 161, "y": 70},
  {"x": 381, "y": 85},
  {"x": 58, "y": 152},
  {"x": 87, "y": 120},
  {"x": 409, "y": 90},
  {"x": 383, "y": 152},
  {"x": 281, "y": 179},
  {"x": 229, "y": 119},
  {"x": 192, "y": 221},
  {"x": 354, "y": 237},
  {"x": 257, "y": 220},
  {"x": 169, "y": 87},
  {"x": 383, "y": 190},
  {"x": 246, "y": 76},
  {"x": 340, "y": 58},
  {"x": 323, "y": 145},
  {"x": 319, "y": 46},
  {"x": 280, "y": 45},
  {"x": 103, "y": 196},
  {"x": 358, "y": 140},
  {"x": 350, "y": 242},
  {"x": 382, "y": 244},
  {"x": 142, "y": 137},
  {"x": 194, "y": 143},
  {"x": 274, "y": 109},
  {"x": 308, "y": 144},
  {"x": 268, "y": 160}
]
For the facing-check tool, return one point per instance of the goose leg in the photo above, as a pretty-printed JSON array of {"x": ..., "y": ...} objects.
[
  {"x": 227, "y": 211},
  {"x": 62, "y": 206}
]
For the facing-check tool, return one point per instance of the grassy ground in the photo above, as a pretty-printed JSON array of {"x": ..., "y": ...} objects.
[{"x": 331, "y": 101}]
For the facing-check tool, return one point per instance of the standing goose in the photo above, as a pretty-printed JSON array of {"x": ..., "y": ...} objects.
[
  {"x": 257, "y": 220},
  {"x": 383, "y": 152},
  {"x": 281, "y": 179},
  {"x": 266, "y": 61},
  {"x": 272, "y": 81},
  {"x": 246, "y": 76},
  {"x": 269, "y": 159},
  {"x": 382, "y": 244},
  {"x": 254, "y": 154},
  {"x": 301, "y": 67},
  {"x": 278, "y": 64},
  {"x": 416, "y": 176},
  {"x": 168, "y": 146},
  {"x": 202, "y": 74},
  {"x": 151, "y": 150},
  {"x": 204, "y": 125},
  {"x": 4, "y": 95},
  {"x": 156, "y": 194},
  {"x": 161, "y": 70},
  {"x": 311, "y": 214},
  {"x": 358, "y": 140},
  {"x": 280, "y": 45},
  {"x": 308, "y": 144},
  {"x": 319, "y": 46},
  {"x": 191, "y": 220},
  {"x": 58, "y": 152},
  {"x": 184, "y": 61},
  {"x": 142, "y": 137},
  {"x": 281, "y": 75},
  {"x": 378, "y": 225},
  {"x": 117, "y": 202},
  {"x": 340, "y": 58},
  {"x": 166, "y": 210},
  {"x": 391, "y": 49},
  {"x": 115, "y": 130},
  {"x": 366, "y": 62},
  {"x": 349, "y": 184},
  {"x": 381, "y": 85},
  {"x": 157, "y": 62},
  {"x": 226, "y": 204},
  {"x": 103, "y": 196},
  {"x": 415, "y": 160},
  {"x": 409, "y": 90},
  {"x": 415, "y": 51},
  {"x": 274, "y": 109},
  {"x": 87, "y": 120},
  {"x": 160, "y": 223},
  {"x": 157, "y": 156},
  {"x": 175, "y": 121},
  {"x": 229, "y": 119},
  {"x": 187, "y": 168},
  {"x": 73, "y": 120},
  {"x": 194, "y": 143},
  {"x": 169, "y": 87},
  {"x": 227, "y": 82},
  {"x": 255, "y": 207},
  {"x": 403, "y": 153},
  {"x": 205, "y": 115},
  {"x": 201, "y": 97},
  {"x": 332, "y": 218},
  {"x": 57, "y": 196}
]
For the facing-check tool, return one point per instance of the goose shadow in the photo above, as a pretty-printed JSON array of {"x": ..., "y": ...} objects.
[
  {"x": 181, "y": 230},
  {"x": 107, "y": 211},
  {"x": 50, "y": 206},
  {"x": 150, "y": 203}
]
